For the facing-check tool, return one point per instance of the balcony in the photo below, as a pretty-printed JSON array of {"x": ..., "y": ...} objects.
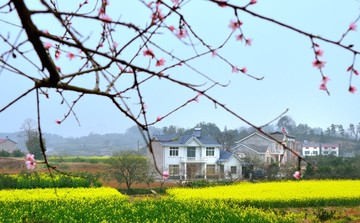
[{"x": 193, "y": 159}]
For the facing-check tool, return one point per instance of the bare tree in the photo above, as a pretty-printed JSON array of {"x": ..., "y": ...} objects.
[
  {"x": 122, "y": 58},
  {"x": 31, "y": 136},
  {"x": 129, "y": 167}
]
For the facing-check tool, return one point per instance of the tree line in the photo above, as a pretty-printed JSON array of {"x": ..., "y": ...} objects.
[{"x": 333, "y": 134}]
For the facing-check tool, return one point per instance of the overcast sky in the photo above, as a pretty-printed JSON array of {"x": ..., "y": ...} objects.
[{"x": 282, "y": 56}]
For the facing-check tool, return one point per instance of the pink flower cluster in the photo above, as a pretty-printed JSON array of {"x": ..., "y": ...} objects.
[
  {"x": 165, "y": 175},
  {"x": 30, "y": 161},
  {"x": 352, "y": 89},
  {"x": 150, "y": 53},
  {"x": 297, "y": 175}
]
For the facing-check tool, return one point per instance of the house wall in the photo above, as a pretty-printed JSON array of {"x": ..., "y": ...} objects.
[
  {"x": 321, "y": 149},
  {"x": 158, "y": 154},
  {"x": 311, "y": 151},
  {"x": 8, "y": 146},
  {"x": 233, "y": 162}
]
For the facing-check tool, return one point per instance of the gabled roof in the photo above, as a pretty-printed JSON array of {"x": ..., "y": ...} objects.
[
  {"x": 254, "y": 148},
  {"x": 280, "y": 135},
  {"x": 7, "y": 139},
  {"x": 255, "y": 133},
  {"x": 226, "y": 155},
  {"x": 184, "y": 139}
]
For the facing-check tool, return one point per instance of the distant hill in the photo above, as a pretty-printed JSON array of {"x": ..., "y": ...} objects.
[{"x": 93, "y": 144}]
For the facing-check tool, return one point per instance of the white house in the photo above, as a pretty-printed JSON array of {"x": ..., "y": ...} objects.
[
  {"x": 194, "y": 156},
  {"x": 316, "y": 149}
]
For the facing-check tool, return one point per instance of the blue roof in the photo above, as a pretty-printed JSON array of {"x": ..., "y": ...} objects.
[
  {"x": 225, "y": 155},
  {"x": 181, "y": 139}
]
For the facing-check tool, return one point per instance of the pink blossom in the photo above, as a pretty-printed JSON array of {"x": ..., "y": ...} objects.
[
  {"x": 243, "y": 70},
  {"x": 30, "y": 161},
  {"x": 350, "y": 68},
  {"x": 318, "y": 64},
  {"x": 297, "y": 175},
  {"x": 323, "y": 86},
  {"x": 240, "y": 37},
  {"x": 115, "y": 44},
  {"x": 30, "y": 157},
  {"x": 57, "y": 54},
  {"x": 105, "y": 18},
  {"x": 45, "y": 31},
  {"x": 30, "y": 165},
  {"x": 176, "y": 2},
  {"x": 352, "y": 89},
  {"x": 58, "y": 122},
  {"x": 148, "y": 52},
  {"x": 252, "y": 2},
  {"x": 158, "y": 118},
  {"x": 160, "y": 62},
  {"x": 222, "y": 3},
  {"x": 235, "y": 24},
  {"x": 213, "y": 53},
  {"x": 356, "y": 72},
  {"x": 171, "y": 28},
  {"x": 234, "y": 69},
  {"x": 58, "y": 68},
  {"x": 182, "y": 33},
  {"x": 196, "y": 99},
  {"x": 248, "y": 42},
  {"x": 352, "y": 26},
  {"x": 319, "y": 52},
  {"x": 165, "y": 175},
  {"x": 70, "y": 56},
  {"x": 325, "y": 79},
  {"x": 47, "y": 45}
]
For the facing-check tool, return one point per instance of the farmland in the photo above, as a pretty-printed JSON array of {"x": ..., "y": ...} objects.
[{"x": 286, "y": 201}]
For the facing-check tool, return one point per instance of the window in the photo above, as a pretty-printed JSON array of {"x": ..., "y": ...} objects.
[
  {"x": 307, "y": 152},
  {"x": 174, "y": 170},
  {"x": 191, "y": 152},
  {"x": 210, "y": 169},
  {"x": 315, "y": 153},
  {"x": 174, "y": 151},
  {"x": 233, "y": 169},
  {"x": 210, "y": 151}
]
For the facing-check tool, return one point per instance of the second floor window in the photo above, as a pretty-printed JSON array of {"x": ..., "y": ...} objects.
[
  {"x": 210, "y": 151},
  {"x": 191, "y": 152},
  {"x": 174, "y": 151}
]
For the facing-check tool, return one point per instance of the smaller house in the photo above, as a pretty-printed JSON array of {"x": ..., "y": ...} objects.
[
  {"x": 269, "y": 150},
  {"x": 7, "y": 145},
  {"x": 194, "y": 155},
  {"x": 316, "y": 149}
]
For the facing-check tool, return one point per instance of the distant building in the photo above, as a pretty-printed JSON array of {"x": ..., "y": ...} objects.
[
  {"x": 194, "y": 155},
  {"x": 7, "y": 145},
  {"x": 316, "y": 149},
  {"x": 268, "y": 149}
]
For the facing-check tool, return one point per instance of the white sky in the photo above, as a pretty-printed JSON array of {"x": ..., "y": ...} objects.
[{"x": 283, "y": 57}]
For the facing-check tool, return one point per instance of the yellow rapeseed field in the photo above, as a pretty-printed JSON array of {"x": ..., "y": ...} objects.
[{"x": 289, "y": 193}]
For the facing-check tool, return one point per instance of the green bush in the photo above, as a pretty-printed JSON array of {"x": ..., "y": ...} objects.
[
  {"x": 324, "y": 215},
  {"x": 4, "y": 153},
  {"x": 45, "y": 180}
]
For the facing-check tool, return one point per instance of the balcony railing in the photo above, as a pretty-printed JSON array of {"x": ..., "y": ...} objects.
[{"x": 193, "y": 159}]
